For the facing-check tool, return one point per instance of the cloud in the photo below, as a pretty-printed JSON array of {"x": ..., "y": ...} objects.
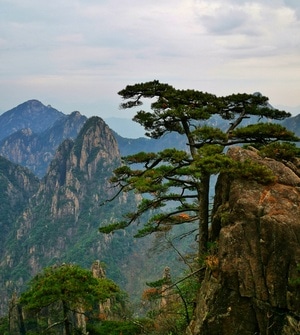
[
  {"x": 220, "y": 19},
  {"x": 255, "y": 28},
  {"x": 295, "y": 5},
  {"x": 82, "y": 52}
]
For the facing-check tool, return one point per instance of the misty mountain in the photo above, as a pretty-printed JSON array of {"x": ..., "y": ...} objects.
[
  {"x": 34, "y": 145},
  {"x": 31, "y": 114},
  {"x": 31, "y": 132},
  {"x": 293, "y": 124},
  {"x": 56, "y": 219}
]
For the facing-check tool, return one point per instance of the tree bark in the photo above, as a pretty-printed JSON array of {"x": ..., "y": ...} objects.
[
  {"x": 66, "y": 320},
  {"x": 203, "y": 213}
]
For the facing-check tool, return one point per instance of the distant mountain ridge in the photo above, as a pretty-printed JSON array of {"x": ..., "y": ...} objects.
[
  {"x": 293, "y": 124},
  {"x": 32, "y": 142},
  {"x": 30, "y": 114},
  {"x": 31, "y": 132}
]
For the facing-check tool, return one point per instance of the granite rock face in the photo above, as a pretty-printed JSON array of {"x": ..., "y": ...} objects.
[{"x": 252, "y": 281}]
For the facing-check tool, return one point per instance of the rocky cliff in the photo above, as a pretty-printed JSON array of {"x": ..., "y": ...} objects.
[
  {"x": 33, "y": 149},
  {"x": 64, "y": 209},
  {"x": 60, "y": 221},
  {"x": 252, "y": 281},
  {"x": 17, "y": 185}
]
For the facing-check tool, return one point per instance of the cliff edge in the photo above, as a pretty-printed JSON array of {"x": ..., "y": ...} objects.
[{"x": 252, "y": 280}]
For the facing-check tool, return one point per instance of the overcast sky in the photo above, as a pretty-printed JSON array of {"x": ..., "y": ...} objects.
[{"x": 77, "y": 54}]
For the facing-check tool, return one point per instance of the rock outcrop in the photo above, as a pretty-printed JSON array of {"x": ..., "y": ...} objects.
[{"x": 252, "y": 282}]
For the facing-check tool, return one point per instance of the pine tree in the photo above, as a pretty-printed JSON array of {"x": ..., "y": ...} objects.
[
  {"x": 182, "y": 177},
  {"x": 65, "y": 290}
]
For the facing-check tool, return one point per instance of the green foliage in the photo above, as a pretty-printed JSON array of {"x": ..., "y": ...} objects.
[
  {"x": 282, "y": 151},
  {"x": 253, "y": 171},
  {"x": 64, "y": 289},
  {"x": 263, "y": 133},
  {"x": 206, "y": 133},
  {"x": 188, "y": 290},
  {"x": 294, "y": 281},
  {"x": 68, "y": 283},
  {"x": 113, "y": 226},
  {"x": 211, "y": 160},
  {"x": 182, "y": 177},
  {"x": 158, "y": 283},
  {"x": 4, "y": 326}
]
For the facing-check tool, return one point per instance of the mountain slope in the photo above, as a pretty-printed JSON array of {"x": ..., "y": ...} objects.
[
  {"x": 17, "y": 185},
  {"x": 293, "y": 124},
  {"x": 31, "y": 114},
  {"x": 36, "y": 150},
  {"x": 61, "y": 222}
]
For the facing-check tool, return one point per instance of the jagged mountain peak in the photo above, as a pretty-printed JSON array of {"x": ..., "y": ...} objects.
[
  {"x": 94, "y": 142},
  {"x": 75, "y": 114},
  {"x": 93, "y": 153}
]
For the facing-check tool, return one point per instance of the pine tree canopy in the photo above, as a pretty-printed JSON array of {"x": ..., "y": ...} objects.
[{"x": 175, "y": 183}]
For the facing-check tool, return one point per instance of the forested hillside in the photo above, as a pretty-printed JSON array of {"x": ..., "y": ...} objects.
[{"x": 56, "y": 219}]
